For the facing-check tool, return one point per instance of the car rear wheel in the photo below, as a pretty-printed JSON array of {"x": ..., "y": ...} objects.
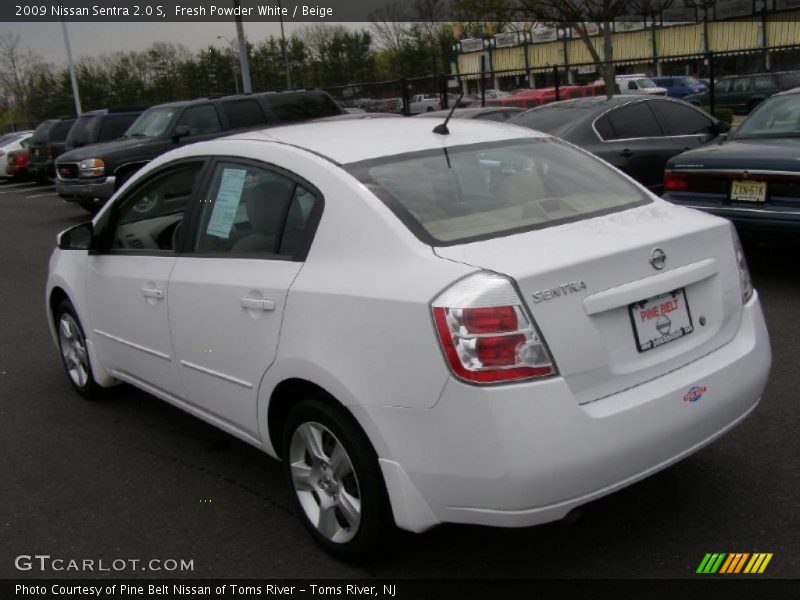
[
  {"x": 333, "y": 472},
  {"x": 74, "y": 352}
]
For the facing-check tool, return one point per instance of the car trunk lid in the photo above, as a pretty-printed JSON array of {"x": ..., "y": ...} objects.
[{"x": 586, "y": 284}]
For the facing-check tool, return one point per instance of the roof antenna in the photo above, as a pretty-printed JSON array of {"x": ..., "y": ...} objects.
[{"x": 441, "y": 128}]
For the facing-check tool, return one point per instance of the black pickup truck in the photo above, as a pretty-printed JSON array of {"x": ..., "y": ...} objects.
[{"x": 91, "y": 174}]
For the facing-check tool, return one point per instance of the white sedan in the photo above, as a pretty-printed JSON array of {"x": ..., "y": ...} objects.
[{"x": 483, "y": 326}]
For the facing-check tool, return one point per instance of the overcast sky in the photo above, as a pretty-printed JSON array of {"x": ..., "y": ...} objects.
[{"x": 94, "y": 39}]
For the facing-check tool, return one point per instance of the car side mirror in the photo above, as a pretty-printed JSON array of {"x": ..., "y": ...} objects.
[
  {"x": 76, "y": 238},
  {"x": 180, "y": 131},
  {"x": 722, "y": 127}
]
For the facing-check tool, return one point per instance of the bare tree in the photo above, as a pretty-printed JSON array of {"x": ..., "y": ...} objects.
[
  {"x": 17, "y": 67},
  {"x": 390, "y": 25}
]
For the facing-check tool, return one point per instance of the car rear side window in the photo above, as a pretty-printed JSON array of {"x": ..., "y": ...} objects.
[
  {"x": 633, "y": 121},
  {"x": 201, "y": 119},
  {"x": 41, "y": 132},
  {"x": 480, "y": 191},
  {"x": 114, "y": 126},
  {"x": 679, "y": 119},
  {"x": 243, "y": 113},
  {"x": 763, "y": 83},
  {"x": 250, "y": 210},
  {"x": 302, "y": 106}
]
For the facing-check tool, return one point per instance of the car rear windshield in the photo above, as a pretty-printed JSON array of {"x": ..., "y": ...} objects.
[
  {"x": 550, "y": 117},
  {"x": 61, "y": 130},
  {"x": 114, "y": 126},
  {"x": 479, "y": 191},
  {"x": 40, "y": 134},
  {"x": 777, "y": 117},
  {"x": 84, "y": 131}
]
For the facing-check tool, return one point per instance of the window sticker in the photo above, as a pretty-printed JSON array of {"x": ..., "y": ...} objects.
[{"x": 226, "y": 203}]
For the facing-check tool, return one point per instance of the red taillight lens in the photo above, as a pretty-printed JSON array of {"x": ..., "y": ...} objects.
[
  {"x": 675, "y": 181},
  {"x": 500, "y": 351},
  {"x": 489, "y": 344},
  {"x": 48, "y": 151},
  {"x": 494, "y": 319}
]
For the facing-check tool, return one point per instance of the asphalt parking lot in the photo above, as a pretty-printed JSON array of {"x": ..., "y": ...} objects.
[{"x": 132, "y": 477}]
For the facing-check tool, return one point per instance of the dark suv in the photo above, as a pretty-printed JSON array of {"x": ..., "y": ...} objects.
[
  {"x": 47, "y": 143},
  {"x": 89, "y": 176},
  {"x": 101, "y": 125},
  {"x": 742, "y": 93}
]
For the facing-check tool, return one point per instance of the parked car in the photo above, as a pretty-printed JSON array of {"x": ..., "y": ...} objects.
[
  {"x": 680, "y": 85},
  {"x": 420, "y": 103},
  {"x": 46, "y": 145},
  {"x": 90, "y": 175},
  {"x": 636, "y": 134},
  {"x": 752, "y": 178},
  {"x": 489, "y": 326},
  {"x": 14, "y": 154},
  {"x": 638, "y": 84},
  {"x": 536, "y": 97},
  {"x": 489, "y": 113},
  {"x": 742, "y": 93},
  {"x": 102, "y": 125},
  {"x": 16, "y": 163}
]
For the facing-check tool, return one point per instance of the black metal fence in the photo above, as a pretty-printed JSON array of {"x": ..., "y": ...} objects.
[{"x": 398, "y": 95}]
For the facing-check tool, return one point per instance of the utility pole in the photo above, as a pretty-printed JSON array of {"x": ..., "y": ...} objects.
[
  {"x": 75, "y": 93},
  {"x": 246, "y": 85}
]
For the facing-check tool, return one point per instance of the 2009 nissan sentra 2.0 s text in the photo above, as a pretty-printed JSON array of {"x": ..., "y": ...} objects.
[{"x": 484, "y": 326}]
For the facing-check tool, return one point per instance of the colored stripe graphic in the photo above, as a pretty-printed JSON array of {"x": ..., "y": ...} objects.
[
  {"x": 711, "y": 562},
  {"x": 734, "y": 562}
]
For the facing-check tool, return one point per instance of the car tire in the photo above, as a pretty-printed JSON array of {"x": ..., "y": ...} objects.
[
  {"x": 429, "y": 109},
  {"x": 74, "y": 352},
  {"x": 334, "y": 479}
]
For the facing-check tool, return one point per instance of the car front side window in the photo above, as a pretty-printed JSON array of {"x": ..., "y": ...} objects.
[
  {"x": 201, "y": 119},
  {"x": 150, "y": 217}
]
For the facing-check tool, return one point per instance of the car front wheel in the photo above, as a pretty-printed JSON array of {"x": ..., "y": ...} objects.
[
  {"x": 337, "y": 485},
  {"x": 74, "y": 352}
]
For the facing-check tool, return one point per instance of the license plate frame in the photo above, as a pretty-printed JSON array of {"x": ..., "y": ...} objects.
[
  {"x": 658, "y": 312},
  {"x": 745, "y": 190}
]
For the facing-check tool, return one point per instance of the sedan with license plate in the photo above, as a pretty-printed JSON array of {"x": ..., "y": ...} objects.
[
  {"x": 753, "y": 178},
  {"x": 466, "y": 323}
]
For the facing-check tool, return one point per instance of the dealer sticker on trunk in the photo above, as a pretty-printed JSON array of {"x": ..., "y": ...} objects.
[{"x": 660, "y": 320}]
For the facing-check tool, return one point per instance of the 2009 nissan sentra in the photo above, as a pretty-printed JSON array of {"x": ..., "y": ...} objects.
[{"x": 483, "y": 326}]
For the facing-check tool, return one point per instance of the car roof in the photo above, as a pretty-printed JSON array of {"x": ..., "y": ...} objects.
[
  {"x": 383, "y": 137},
  {"x": 467, "y": 112},
  {"x": 598, "y": 103}
]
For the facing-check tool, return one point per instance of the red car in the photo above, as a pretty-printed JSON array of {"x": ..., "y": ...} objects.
[
  {"x": 539, "y": 96},
  {"x": 17, "y": 163}
]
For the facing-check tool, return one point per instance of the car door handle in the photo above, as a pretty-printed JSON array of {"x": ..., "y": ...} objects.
[
  {"x": 152, "y": 293},
  {"x": 626, "y": 153},
  {"x": 256, "y": 304}
]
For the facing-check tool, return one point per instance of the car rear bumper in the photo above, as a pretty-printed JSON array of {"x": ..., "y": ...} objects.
[
  {"x": 41, "y": 169},
  {"x": 526, "y": 454},
  {"x": 80, "y": 190},
  {"x": 757, "y": 218}
]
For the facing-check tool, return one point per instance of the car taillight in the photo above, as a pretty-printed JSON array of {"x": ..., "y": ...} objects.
[
  {"x": 48, "y": 151},
  {"x": 675, "y": 181},
  {"x": 486, "y": 333},
  {"x": 741, "y": 264}
]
